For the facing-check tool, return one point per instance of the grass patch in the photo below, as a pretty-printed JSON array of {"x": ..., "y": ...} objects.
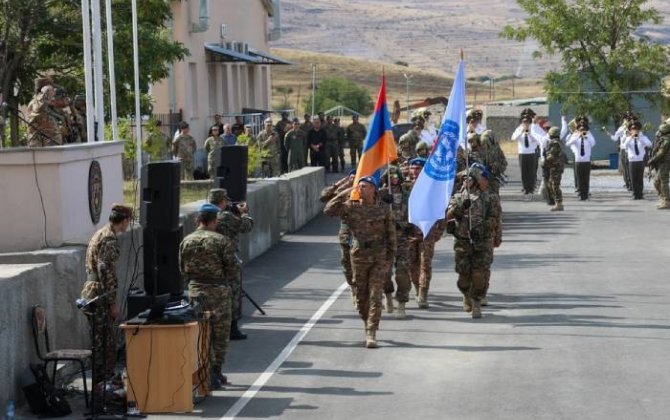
[{"x": 188, "y": 193}]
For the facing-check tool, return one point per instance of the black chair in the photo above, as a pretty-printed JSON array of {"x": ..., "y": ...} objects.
[{"x": 44, "y": 352}]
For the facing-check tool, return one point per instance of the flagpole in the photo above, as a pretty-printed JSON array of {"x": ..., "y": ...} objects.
[
  {"x": 388, "y": 161},
  {"x": 467, "y": 181}
]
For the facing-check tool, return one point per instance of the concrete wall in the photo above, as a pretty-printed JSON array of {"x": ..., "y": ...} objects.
[
  {"x": 58, "y": 178},
  {"x": 54, "y": 277}
]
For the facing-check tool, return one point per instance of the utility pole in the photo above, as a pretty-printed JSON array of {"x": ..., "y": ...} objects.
[
  {"x": 407, "y": 78},
  {"x": 313, "y": 87}
]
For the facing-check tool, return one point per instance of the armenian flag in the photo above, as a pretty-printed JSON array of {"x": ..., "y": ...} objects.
[{"x": 379, "y": 147}]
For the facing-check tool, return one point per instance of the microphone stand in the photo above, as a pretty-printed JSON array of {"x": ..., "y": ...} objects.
[{"x": 83, "y": 304}]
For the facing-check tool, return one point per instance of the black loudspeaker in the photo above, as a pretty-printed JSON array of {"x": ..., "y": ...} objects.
[
  {"x": 161, "y": 261},
  {"x": 160, "y": 195},
  {"x": 231, "y": 173}
]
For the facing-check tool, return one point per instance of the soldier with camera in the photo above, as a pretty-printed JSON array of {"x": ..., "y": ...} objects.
[{"x": 232, "y": 220}]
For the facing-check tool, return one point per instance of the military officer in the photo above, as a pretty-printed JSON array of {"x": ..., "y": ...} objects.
[
  {"x": 372, "y": 248},
  {"x": 183, "y": 147},
  {"x": 295, "y": 143},
  {"x": 268, "y": 142},
  {"x": 213, "y": 146},
  {"x": 355, "y": 133}
]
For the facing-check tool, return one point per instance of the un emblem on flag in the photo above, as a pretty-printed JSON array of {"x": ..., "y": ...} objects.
[{"x": 441, "y": 164}]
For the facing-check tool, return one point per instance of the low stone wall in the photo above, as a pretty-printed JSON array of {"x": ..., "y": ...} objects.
[{"x": 54, "y": 277}]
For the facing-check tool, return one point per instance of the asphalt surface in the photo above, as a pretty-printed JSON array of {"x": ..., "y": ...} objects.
[{"x": 576, "y": 328}]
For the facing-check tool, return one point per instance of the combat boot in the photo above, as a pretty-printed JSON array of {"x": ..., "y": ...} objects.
[
  {"x": 235, "y": 333},
  {"x": 371, "y": 339},
  {"x": 484, "y": 301},
  {"x": 664, "y": 205},
  {"x": 401, "y": 314},
  {"x": 422, "y": 298},
  {"x": 467, "y": 304},
  {"x": 476, "y": 309},
  {"x": 558, "y": 206},
  {"x": 389, "y": 303}
]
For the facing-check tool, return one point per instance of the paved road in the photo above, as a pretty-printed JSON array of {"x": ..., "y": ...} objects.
[{"x": 577, "y": 327}]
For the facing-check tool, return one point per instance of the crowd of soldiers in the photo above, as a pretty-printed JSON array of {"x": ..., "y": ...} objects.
[
  {"x": 286, "y": 146},
  {"x": 380, "y": 247},
  {"x": 52, "y": 118}
]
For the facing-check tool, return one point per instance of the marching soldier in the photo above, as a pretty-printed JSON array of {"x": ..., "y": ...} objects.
[
  {"x": 356, "y": 133},
  {"x": 554, "y": 163},
  {"x": 206, "y": 261},
  {"x": 372, "y": 248},
  {"x": 399, "y": 191},
  {"x": 495, "y": 157},
  {"x": 660, "y": 160},
  {"x": 475, "y": 215},
  {"x": 344, "y": 234}
]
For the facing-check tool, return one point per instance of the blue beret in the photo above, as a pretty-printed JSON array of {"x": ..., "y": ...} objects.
[
  {"x": 418, "y": 161},
  {"x": 208, "y": 208},
  {"x": 353, "y": 172},
  {"x": 370, "y": 180}
]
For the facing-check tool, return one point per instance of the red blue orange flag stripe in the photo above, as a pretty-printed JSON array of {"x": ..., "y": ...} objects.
[{"x": 379, "y": 147}]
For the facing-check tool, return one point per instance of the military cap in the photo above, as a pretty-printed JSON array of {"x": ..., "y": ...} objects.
[
  {"x": 296, "y": 121},
  {"x": 664, "y": 128},
  {"x": 526, "y": 119},
  {"x": 421, "y": 145},
  {"x": 352, "y": 172},
  {"x": 121, "y": 210},
  {"x": 634, "y": 125},
  {"x": 527, "y": 112},
  {"x": 215, "y": 195},
  {"x": 478, "y": 171},
  {"x": 417, "y": 161},
  {"x": 554, "y": 132},
  {"x": 370, "y": 180},
  {"x": 208, "y": 208}
]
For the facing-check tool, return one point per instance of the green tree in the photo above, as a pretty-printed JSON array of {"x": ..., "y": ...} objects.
[
  {"x": 40, "y": 37},
  {"x": 336, "y": 91},
  {"x": 601, "y": 50}
]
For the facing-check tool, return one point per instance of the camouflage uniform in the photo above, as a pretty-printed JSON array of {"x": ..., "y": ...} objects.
[
  {"x": 344, "y": 237},
  {"x": 497, "y": 163},
  {"x": 331, "y": 147},
  {"x": 403, "y": 230},
  {"x": 373, "y": 247},
  {"x": 295, "y": 143},
  {"x": 341, "y": 144},
  {"x": 213, "y": 147},
  {"x": 43, "y": 129},
  {"x": 231, "y": 226},
  {"x": 355, "y": 133},
  {"x": 183, "y": 148},
  {"x": 268, "y": 143},
  {"x": 407, "y": 145},
  {"x": 101, "y": 257},
  {"x": 206, "y": 260},
  {"x": 660, "y": 160},
  {"x": 555, "y": 162},
  {"x": 474, "y": 241}
]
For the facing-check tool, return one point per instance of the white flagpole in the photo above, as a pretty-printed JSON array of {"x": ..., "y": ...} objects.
[
  {"x": 88, "y": 70},
  {"x": 111, "y": 74},
  {"x": 97, "y": 69},
  {"x": 138, "y": 116}
]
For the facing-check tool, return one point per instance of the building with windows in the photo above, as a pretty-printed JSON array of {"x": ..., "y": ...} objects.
[{"x": 228, "y": 70}]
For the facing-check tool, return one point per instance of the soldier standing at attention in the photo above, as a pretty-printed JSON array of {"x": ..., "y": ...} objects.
[
  {"x": 660, "y": 160},
  {"x": 399, "y": 197},
  {"x": 102, "y": 255},
  {"x": 355, "y": 133},
  {"x": 554, "y": 163},
  {"x": 232, "y": 220},
  {"x": 331, "y": 147},
  {"x": 475, "y": 216},
  {"x": 268, "y": 142},
  {"x": 183, "y": 148},
  {"x": 316, "y": 140},
  {"x": 344, "y": 234},
  {"x": 295, "y": 143},
  {"x": 372, "y": 248},
  {"x": 282, "y": 128},
  {"x": 213, "y": 145},
  {"x": 341, "y": 140},
  {"x": 206, "y": 259}
]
